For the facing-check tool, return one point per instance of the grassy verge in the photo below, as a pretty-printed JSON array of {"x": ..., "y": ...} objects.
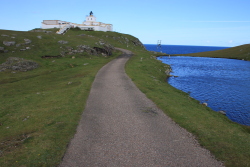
[{"x": 227, "y": 140}]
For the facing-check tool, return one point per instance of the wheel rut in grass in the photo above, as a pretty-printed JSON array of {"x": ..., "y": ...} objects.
[{"x": 120, "y": 126}]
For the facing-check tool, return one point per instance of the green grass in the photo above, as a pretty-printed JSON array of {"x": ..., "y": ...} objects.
[
  {"x": 39, "y": 113},
  {"x": 227, "y": 140},
  {"x": 241, "y": 52}
]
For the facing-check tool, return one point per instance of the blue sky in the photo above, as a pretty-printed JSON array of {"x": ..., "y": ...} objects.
[{"x": 175, "y": 22}]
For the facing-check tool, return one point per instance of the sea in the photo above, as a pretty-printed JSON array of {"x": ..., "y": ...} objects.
[
  {"x": 224, "y": 84},
  {"x": 182, "y": 49}
]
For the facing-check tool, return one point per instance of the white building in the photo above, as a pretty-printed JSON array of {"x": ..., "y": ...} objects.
[
  {"x": 46, "y": 24},
  {"x": 89, "y": 24}
]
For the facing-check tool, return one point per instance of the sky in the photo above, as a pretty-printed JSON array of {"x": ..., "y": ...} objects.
[{"x": 174, "y": 22}]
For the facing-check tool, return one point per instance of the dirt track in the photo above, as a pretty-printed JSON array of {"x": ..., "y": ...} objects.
[{"x": 120, "y": 126}]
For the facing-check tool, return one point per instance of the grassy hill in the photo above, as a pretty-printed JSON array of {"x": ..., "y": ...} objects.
[
  {"x": 241, "y": 52},
  {"x": 40, "y": 108}
]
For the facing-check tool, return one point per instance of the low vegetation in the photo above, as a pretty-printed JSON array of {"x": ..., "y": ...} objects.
[{"x": 40, "y": 108}]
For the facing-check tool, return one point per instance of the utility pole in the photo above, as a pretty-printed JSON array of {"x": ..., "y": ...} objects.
[{"x": 158, "y": 47}]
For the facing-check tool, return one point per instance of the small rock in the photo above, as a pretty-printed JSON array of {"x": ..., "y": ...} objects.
[
  {"x": 73, "y": 57},
  {"x": 17, "y": 45},
  {"x": 69, "y": 83},
  {"x": 25, "y": 119},
  {"x": 101, "y": 43},
  {"x": 27, "y": 41},
  {"x": 85, "y": 64},
  {"x": 40, "y": 37},
  {"x": 222, "y": 112},
  {"x": 3, "y": 35},
  {"x": 22, "y": 49},
  {"x": 62, "y": 42},
  {"x": 28, "y": 48},
  {"x": 205, "y": 104},
  {"x": 1, "y": 48},
  {"x": 9, "y": 43}
]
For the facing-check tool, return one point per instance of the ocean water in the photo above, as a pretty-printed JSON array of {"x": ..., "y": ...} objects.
[
  {"x": 224, "y": 84},
  {"x": 182, "y": 49}
]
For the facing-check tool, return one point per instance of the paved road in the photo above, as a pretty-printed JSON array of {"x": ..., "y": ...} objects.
[{"x": 120, "y": 127}]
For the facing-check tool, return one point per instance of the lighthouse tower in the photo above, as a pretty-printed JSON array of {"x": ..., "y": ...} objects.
[
  {"x": 91, "y": 18},
  {"x": 92, "y": 25}
]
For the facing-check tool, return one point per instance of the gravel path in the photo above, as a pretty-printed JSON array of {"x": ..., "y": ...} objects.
[{"x": 120, "y": 126}]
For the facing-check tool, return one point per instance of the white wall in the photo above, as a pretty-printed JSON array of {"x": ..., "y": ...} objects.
[
  {"x": 50, "y": 22},
  {"x": 44, "y": 26},
  {"x": 87, "y": 27},
  {"x": 91, "y": 18}
]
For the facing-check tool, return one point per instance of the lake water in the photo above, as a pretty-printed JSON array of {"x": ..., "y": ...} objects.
[{"x": 224, "y": 84}]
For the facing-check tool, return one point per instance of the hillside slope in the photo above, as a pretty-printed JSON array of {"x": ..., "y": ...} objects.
[
  {"x": 241, "y": 52},
  {"x": 45, "y": 80}
]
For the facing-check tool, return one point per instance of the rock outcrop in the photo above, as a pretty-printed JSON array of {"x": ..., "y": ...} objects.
[
  {"x": 103, "y": 50},
  {"x": 18, "y": 64}
]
